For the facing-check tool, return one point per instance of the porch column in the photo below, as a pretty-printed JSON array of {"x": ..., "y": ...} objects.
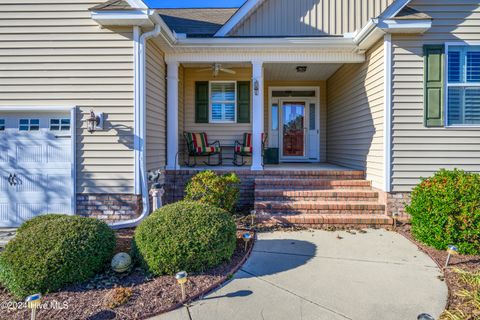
[
  {"x": 257, "y": 114},
  {"x": 172, "y": 115}
]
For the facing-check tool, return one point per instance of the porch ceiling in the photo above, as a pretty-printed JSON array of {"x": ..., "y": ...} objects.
[{"x": 288, "y": 71}]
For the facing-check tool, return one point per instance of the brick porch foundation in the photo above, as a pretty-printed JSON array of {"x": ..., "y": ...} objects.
[
  {"x": 396, "y": 202},
  {"x": 109, "y": 207}
]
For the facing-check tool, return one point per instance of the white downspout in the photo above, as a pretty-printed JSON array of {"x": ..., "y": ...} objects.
[{"x": 141, "y": 179}]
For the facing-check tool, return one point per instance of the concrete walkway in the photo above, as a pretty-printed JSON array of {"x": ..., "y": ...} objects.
[{"x": 327, "y": 275}]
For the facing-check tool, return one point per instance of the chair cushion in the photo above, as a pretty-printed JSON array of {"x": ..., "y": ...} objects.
[
  {"x": 240, "y": 149},
  {"x": 197, "y": 140},
  {"x": 247, "y": 140},
  {"x": 208, "y": 149}
]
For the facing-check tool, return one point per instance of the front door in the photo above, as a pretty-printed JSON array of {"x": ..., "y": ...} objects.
[{"x": 293, "y": 130}]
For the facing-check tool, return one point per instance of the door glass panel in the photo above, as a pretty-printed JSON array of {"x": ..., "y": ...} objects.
[
  {"x": 312, "y": 116},
  {"x": 293, "y": 120},
  {"x": 274, "y": 117}
]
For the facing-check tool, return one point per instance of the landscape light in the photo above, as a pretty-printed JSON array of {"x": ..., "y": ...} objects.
[
  {"x": 246, "y": 237},
  {"x": 425, "y": 316},
  {"x": 33, "y": 302},
  {"x": 182, "y": 278},
  {"x": 253, "y": 214},
  {"x": 452, "y": 250}
]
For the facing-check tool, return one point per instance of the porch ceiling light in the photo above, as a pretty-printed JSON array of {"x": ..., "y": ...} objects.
[
  {"x": 95, "y": 122},
  {"x": 301, "y": 69}
]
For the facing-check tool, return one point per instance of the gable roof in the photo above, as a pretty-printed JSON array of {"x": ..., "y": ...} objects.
[
  {"x": 408, "y": 13},
  {"x": 250, "y": 6},
  {"x": 112, "y": 5},
  {"x": 196, "y": 22}
]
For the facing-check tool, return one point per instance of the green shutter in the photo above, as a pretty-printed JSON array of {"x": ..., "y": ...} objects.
[
  {"x": 434, "y": 89},
  {"x": 201, "y": 102},
  {"x": 243, "y": 102}
]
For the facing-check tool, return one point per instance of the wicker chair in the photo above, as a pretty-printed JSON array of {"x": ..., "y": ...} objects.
[
  {"x": 198, "y": 146},
  {"x": 245, "y": 149}
]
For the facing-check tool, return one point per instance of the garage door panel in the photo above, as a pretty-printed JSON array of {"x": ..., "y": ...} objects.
[
  {"x": 61, "y": 208},
  {"x": 28, "y": 153},
  {"x": 58, "y": 153},
  {"x": 8, "y": 217},
  {"x": 27, "y": 211},
  {"x": 30, "y": 183}
]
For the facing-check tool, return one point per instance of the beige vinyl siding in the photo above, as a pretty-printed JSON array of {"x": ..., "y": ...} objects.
[
  {"x": 323, "y": 107},
  {"x": 226, "y": 133},
  {"x": 419, "y": 151},
  {"x": 53, "y": 53},
  {"x": 156, "y": 110},
  {"x": 310, "y": 17},
  {"x": 355, "y": 96}
]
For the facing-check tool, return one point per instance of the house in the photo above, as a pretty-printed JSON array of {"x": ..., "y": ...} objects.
[{"x": 358, "y": 100}]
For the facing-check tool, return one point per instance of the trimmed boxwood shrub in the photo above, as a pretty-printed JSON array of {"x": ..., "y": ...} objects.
[
  {"x": 445, "y": 210},
  {"x": 185, "y": 235},
  {"x": 218, "y": 190},
  {"x": 52, "y": 252},
  {"x": 38, "y": 220}
]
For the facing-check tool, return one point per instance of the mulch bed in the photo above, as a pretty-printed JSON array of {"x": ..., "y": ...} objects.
[
  {"x": 147, "y": 296},
  {"x": 453, "y": 280}
]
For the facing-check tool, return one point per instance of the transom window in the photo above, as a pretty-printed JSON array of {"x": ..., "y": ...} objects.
[
  {"x": 223, "y": 97},
  {"x": 463, "y": 86},
  {"x": 2, "y": 124},
  {"x": 59, "y": 124},
  {"x": 29, "y": 124}
]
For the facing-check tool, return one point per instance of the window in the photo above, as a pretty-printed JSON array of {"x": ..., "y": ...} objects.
[
  {"x": 2, "y": 124},
  {"x": 463, "y": 86},
  {"x": 275, "y": 117},
  {"x": 29, "y": 125},
  {"x": 223, "y": 97},
  {"x": 59, "y": 124}
]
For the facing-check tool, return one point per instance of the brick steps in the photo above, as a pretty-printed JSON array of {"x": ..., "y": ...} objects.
[
  {"x": 323, "y": 197},
  {"x": 310, "y": 184},
  {"x": 330, "y": 174},
  {"x": 319, "y": 207},
  {"x": 315, "y": 195},
  {"x": 363, "y": 220}
]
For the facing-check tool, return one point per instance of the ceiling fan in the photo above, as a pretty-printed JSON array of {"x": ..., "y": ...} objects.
[{"x": 216, "y": 68}]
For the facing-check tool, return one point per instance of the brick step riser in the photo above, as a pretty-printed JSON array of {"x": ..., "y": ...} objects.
[
  {"x": 315, "y": 198},
  {"x": 324, "y": 177},
  {"x": 345, "y": 212},
  {"x": 366, "y": 221},
  {"x": 313, "y": 187}
]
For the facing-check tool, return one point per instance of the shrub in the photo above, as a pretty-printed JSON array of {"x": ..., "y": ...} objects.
[
  {"x": 38, "y": 220},
  {"x": 184, "y": 236},
  {"x": 50, "y": 253},
  {"x": 445, "y": 210},
  {"x": 218, "y": 190}
]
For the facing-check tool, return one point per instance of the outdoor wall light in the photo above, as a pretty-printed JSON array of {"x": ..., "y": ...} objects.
[
  {"x": 246, "y": 237},
  {"x": 425, "y": 316},
  {"x": 256, "y": 87},
  {"x": 182, "y": 278},
  {"x": 95, "y": 122},
  {"x": 452, "y": 250},
  {"x": 33, "y": 302}
]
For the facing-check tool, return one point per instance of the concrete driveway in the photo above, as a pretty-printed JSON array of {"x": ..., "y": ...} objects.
[{"x": 327, "y": 275}]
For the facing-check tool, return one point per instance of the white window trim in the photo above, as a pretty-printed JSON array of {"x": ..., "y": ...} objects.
[
  {"x": 210, "y": 102},
  {"x": 29, "y": 124},
  {"x": 447, "y": 85}
]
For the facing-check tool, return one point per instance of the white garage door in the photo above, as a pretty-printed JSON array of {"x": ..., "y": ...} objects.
[{"x": 35, "y": 166}]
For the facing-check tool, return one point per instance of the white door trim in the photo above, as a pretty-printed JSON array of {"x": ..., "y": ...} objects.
[
  {"x": 316, "y": 99},
  {"x": 73, "y": 124}
]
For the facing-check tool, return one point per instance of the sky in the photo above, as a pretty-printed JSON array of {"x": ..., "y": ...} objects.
[{"x": 194, "y": 3}]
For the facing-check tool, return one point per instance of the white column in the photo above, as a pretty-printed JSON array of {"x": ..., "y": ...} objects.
[
  {"x": 257, "y": 114},
  {"x": 172, "y": 115}
]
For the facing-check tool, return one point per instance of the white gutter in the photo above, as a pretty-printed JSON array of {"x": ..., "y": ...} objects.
[{"x": 140, "y": 110}]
